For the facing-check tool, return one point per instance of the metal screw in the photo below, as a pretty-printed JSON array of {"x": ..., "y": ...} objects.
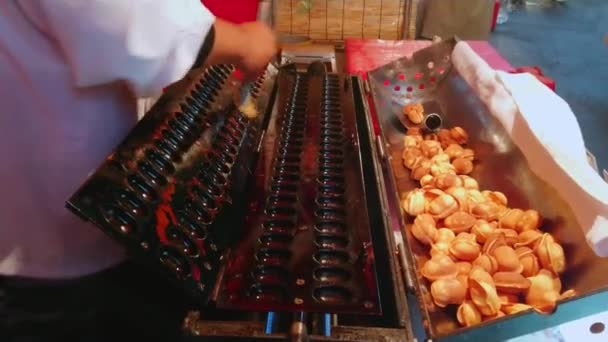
[
  {"x": 298, "y": 301},
  {"x": 300, "y": 282},
  {"x": 145, "y": 245}
]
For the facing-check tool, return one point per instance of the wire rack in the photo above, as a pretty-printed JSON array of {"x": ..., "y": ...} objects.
[{"x": 336, "y": 20}]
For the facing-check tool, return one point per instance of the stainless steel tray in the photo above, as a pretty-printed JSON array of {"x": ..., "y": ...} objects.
[{"x": 428, "y": 76}]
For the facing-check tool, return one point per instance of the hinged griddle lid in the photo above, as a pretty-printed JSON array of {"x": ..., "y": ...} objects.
[{"x": 178, "y": 176}]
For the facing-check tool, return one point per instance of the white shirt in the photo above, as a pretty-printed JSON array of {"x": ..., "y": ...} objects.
[{"x": 64, "y": 105}]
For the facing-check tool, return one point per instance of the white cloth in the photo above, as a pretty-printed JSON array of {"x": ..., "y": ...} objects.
[
  {"x": 543, "y": 126},
  {"x": 69, "y": 74}
]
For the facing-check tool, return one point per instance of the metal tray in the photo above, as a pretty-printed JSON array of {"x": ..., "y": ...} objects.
[{"x": 429, "y": 76}]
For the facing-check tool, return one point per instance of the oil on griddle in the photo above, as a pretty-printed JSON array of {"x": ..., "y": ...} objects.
[{"x": 309, "y": 245}]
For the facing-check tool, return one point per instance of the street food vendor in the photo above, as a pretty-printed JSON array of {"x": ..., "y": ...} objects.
[{"x": 70, "y": 71}]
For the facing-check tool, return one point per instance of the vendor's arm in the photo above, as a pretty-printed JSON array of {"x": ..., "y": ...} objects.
[
  {"x": 249, "y": 46},
  {"x": 148, "y": 43}
]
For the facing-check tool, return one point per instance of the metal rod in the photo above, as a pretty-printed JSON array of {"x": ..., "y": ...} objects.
[
  {"x": 220, "y": 276},
  {"x": 409, "y": 283},
  {"x": 299, "y": 331},
  {"x": 316, "y": 323},
  {"x": 270, "y": 319},
  {"x": 327, "y": 324}
]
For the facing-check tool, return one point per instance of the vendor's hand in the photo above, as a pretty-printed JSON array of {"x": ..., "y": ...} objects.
[
  {"x": 249, "y": 46},
  {"x": 260, "y": 47}
]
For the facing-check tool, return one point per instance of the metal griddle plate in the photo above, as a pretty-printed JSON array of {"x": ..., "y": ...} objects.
[
  {"x": 428, "y": 77},
  {"x": 308, "y": 244},
  {"x": 169, "y": 191},
  {"x": 184, "y": 193}
]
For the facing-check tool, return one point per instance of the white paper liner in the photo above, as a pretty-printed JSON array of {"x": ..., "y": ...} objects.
[{"x": 544, "y": 128}]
